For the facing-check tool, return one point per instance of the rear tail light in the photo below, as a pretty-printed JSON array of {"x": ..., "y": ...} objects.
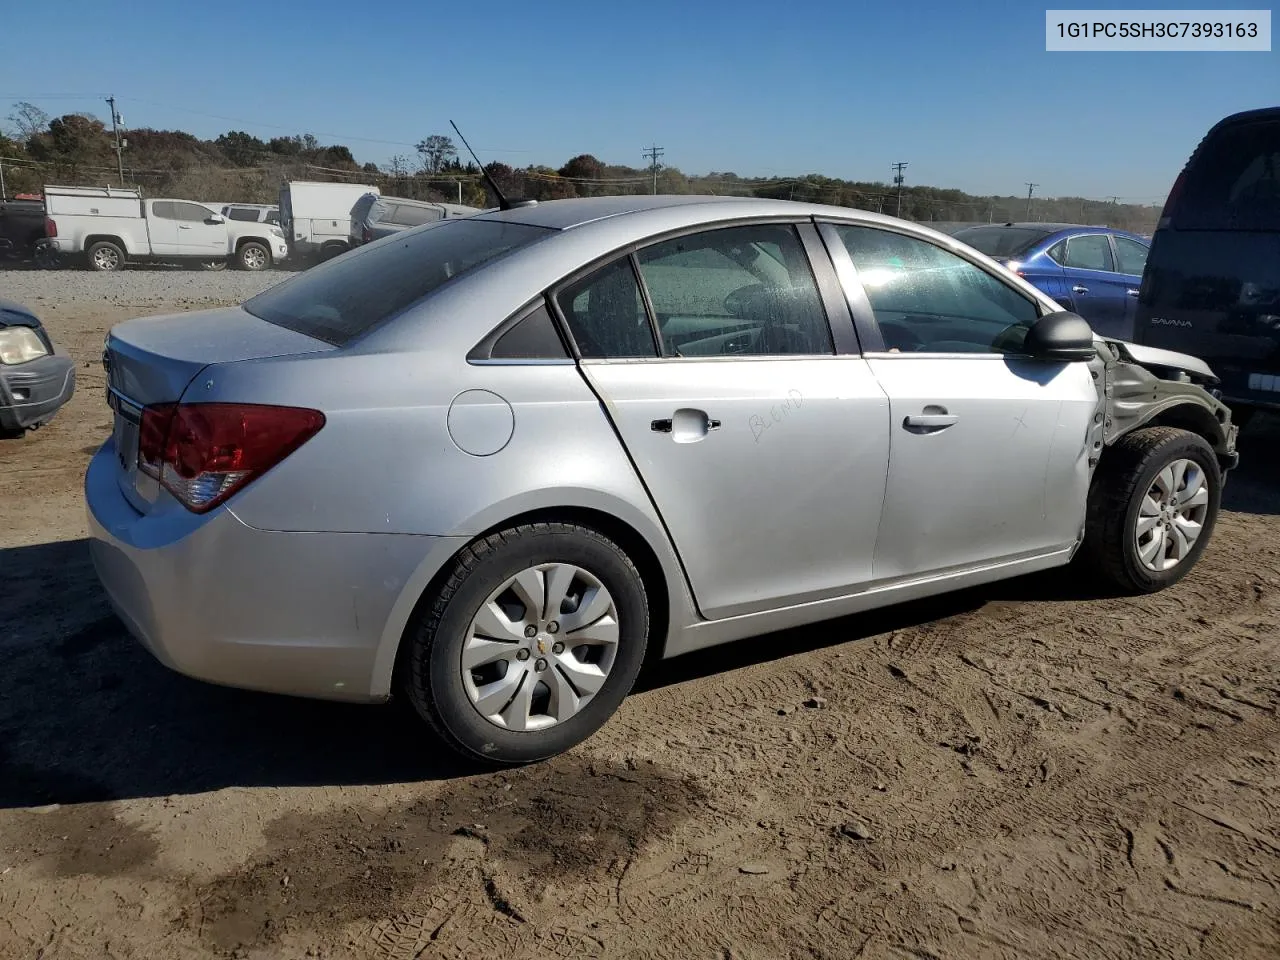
[
  {"x": 202, "y": 453},
  {"x": 50, "y": 228}
]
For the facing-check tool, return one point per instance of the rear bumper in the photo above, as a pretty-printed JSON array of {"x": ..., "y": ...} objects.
[
  {"x": 32, "y": 392},
  {"x": 307, "y": 614}
]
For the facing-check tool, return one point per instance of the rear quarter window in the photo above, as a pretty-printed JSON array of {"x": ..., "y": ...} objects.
[
  {"x": 1233, "y": 182},
  {"x": 350, "y": 295}
]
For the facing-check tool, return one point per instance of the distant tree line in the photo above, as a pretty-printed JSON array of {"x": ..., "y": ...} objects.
[{"x": 78, "y": 149}]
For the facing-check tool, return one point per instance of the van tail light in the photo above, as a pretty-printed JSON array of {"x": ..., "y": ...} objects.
[
  {"x": 202, "y": 453},
  {"x": 50, "y": 227}
]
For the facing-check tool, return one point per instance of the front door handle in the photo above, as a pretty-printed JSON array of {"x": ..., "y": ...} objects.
[
  {"x": 1132, "y": 292},
  {"x": 933, "y": 419},
  {"x": 1078, "y": 288}
]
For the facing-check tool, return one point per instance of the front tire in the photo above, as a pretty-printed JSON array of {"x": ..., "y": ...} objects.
[
  {"x": 1152, "y": 509},
  {"x": 534, "y": 638},
  {"x": 253, "y": 256},
  {"x": 105, "y": 257}
]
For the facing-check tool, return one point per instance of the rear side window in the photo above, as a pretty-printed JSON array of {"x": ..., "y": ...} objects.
[
  {"x": 243, "y": 213},
  {"x": 349, "y": 295},
  {"x": 735, "y": 291},
  {"x": 1234, "y": 181},
  {"x": 606, "y": 313},
  {"x": 1131, "y": 256},
  {"x": 1092, "y": 251},
  {"x": 164, "y": 210},
  {"x": 409, "y": 216}
]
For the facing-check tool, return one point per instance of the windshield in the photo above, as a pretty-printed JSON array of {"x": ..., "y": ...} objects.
[
  {"x": 346, "y": 297},
  {"x": 1001, "y": 241}
]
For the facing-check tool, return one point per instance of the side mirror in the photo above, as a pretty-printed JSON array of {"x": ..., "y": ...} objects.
[
  {"x": 215, "y": 218},
  {"x": 1061, "y": 336}
]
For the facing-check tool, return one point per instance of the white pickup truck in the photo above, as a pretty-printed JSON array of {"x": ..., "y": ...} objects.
[{"x": 111, "y": 226}]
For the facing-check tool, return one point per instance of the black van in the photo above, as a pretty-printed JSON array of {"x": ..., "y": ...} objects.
[{"x": 1212, "y": 282}]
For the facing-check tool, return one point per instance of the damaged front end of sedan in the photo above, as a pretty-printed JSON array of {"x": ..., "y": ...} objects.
[{"x": 1143, "y": 386}]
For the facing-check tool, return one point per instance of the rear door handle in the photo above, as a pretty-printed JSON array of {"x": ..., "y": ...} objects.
[
  {"x": 687, "y": 425},
  {"x": 1132, "y": 292},
  {"x": 183, "y": 226},
  {"x": 1079, "y": 289}
]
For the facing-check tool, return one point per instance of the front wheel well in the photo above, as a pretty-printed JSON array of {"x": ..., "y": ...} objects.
[
  {"x": 619, "y": 531},
  {"x": 1194, "y": 418}
]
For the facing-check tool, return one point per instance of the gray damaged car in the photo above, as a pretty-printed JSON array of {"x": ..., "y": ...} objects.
[
  {"x": 36, "y": 377},
  {"x": 495, "y": 463}
]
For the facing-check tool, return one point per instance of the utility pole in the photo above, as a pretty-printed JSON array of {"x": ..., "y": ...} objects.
[
  {"x": 652, "y": 154},
  {"x": 115, "y": 132},
  {"x": 898, "y": 180},
  {"x": 1030, "y": 188},
  {"x": 3, "y": 193}
]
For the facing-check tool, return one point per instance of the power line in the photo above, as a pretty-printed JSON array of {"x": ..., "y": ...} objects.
[{"x": 653, "y": 153}]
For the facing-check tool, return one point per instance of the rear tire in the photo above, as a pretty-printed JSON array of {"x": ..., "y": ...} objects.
[
  {"x": 105, "y": 257},
  {"x": 1132, "y": 488},
  {"x": 452, "y": 700}
]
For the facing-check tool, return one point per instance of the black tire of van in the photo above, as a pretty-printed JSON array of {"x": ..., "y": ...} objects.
[{"x": 331, "y": 250}]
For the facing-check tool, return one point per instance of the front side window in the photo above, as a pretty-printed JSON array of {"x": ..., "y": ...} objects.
[
  {"x": 928, "y": 300},
  {"x": 606, "y": 315},
  {"x": 1131, "y": 256},
  {"x": 735, "y": 291},
  {"x": 349, "y": 295},
  {"x": 1091, "y": 251},
  {"x": 191, "y": 212}
]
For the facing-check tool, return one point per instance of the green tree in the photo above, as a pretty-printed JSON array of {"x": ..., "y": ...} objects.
[{"x": 241, "y": 149}]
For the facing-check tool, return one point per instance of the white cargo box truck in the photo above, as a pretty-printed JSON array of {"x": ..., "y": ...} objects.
[{"x": 316, "y": 217}]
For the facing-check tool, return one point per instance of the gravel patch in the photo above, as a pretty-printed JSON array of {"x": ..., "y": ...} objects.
[{"x": 183, "y": 288}]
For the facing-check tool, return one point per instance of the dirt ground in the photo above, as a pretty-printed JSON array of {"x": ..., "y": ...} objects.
[{"x": 1018, "y": 771}]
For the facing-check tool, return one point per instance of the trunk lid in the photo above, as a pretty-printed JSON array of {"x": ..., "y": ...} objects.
[{"x": 153, "y": 359}]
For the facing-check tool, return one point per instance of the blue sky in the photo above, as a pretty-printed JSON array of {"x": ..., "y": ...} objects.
[{"x": 964, "y": 92}]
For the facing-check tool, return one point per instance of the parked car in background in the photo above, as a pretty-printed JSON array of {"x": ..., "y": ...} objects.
[
  {"x": 112, "y": 226},
  {"x": 316, "y": 217},
  {"x": 492, "y": 463},
  {"x": 374, "y": 217},
  {"x": 1093, "y": 271},
  {"x": 36, "y": 377},
  {"x": 1212, "y": 286},
  {"x": 250, "y": 212},
  {"x": 21, "y": 227}
]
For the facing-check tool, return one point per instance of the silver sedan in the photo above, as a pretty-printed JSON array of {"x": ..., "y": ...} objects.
[{"x": 494, "y": 463}]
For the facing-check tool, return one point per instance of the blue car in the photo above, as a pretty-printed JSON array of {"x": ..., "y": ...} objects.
[{"x": 1093, "y": 271}]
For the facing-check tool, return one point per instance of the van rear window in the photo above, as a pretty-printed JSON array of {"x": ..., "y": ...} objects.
[
  {"x": 1234, "y": 181},
  {"x": 339, "y": 300}
]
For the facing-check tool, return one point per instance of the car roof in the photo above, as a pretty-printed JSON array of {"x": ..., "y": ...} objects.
[{"x": 567, "y": 214}]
